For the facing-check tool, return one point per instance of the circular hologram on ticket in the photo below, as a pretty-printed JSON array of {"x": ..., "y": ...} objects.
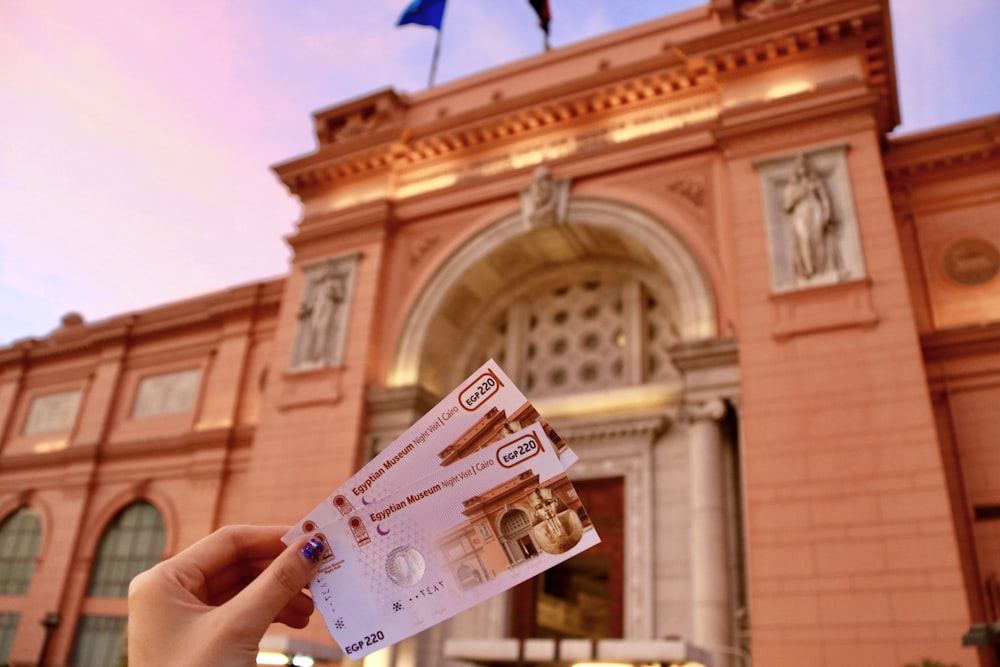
[{"x": 405, "y": 566}]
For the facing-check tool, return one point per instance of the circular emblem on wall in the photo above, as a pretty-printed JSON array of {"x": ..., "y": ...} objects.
[{"x": 971, "y": 261}]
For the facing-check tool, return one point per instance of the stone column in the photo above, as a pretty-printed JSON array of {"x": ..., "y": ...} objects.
[{"x": 712, "y": 616}]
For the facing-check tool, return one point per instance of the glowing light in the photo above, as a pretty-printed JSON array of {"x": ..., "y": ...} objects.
[
  {"x": 380, "y": 658},
  {"x": 47, "y": 446},
  {"x": 271, "y": 658},
  {"x": 786, "y": 88},
  {"x": 633, "y": 664},
  {"x": 526, "y": 159},
  {"x": 303, "y": 661},
  {"x": 403, "y": 375},
  {"x": 426, "y": 185},
  {"x": 607, "y": 402},
  {"x": 644, "y": 128},
  {"x": 225, "y": 422},
  {"x": 630, "y": 132}
]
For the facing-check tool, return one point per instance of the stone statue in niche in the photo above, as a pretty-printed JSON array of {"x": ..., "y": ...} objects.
[
  {"x": 807, "y": 203},
  {"x": 322, "y": 315},
  {"x": 546, "y": 200},
  {"x": 812, "y": 227}
]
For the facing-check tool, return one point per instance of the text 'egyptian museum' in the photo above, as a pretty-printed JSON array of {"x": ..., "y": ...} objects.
[{"x": 770, "y": 331}]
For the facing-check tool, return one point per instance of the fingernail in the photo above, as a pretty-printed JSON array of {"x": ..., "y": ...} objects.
[{"x": 313, "y": 549}]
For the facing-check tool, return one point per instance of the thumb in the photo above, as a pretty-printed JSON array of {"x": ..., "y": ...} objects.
[{"x": 257, "y": 605}]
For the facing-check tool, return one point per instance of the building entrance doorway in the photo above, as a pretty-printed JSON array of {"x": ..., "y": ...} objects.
[{"x": 583, "y": 596}]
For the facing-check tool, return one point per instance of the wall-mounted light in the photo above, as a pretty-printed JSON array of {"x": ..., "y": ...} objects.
[
  {"x": 788, "y": 87},
  {"x": 276, "y": 658},
  {"x": 285, "y": 650}
]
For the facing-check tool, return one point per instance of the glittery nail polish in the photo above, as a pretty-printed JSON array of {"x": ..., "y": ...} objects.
[{"x": 313, "y": 549}]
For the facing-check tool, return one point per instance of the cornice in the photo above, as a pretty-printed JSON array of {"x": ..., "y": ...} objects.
[
  {"x": 48, "y": 459},
  {"x": 688, "y": 140},
  {"x": 680, "y": 67},
  {"x": 809, "y": 25},
  {"x": 375, "y": 215},
  {"x": 209, "y": 309},
  {"x": 580, "y": 429},
  {"x": 179, "y": 444},
  {"x": 966, "y": 341},
  {"x": 704, "y": 354},
  {"x": 762, "y": 126},
  {"x": 937, "y": 153},
  {"x": 118, "y": 451}
]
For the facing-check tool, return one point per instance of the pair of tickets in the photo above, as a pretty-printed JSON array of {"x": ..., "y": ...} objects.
[{"x": 468, "y": 502}]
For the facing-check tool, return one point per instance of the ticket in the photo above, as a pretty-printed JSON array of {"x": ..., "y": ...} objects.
[
  {"x": 446, "y": 542},
  {"x": 484, "y": 408}
]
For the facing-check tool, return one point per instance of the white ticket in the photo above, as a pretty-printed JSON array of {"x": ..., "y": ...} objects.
[
  {"x": 484, "y": 408},
  {"x": 447, "y": 542}
]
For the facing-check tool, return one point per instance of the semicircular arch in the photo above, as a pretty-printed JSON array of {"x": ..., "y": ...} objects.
[{"x": 508, "y": 252}]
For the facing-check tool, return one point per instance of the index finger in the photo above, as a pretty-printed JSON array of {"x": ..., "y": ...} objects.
[{"x": 225, "y": 547}]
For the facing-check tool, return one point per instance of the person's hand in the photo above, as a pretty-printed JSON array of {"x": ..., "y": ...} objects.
[{"x": 212, "y": 602}]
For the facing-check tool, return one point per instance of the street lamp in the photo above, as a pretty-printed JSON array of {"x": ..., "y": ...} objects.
[
  {"x": 983, "y": 634},
  {"x": 50, "y": 623}
]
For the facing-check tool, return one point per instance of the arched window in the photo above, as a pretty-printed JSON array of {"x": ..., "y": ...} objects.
[
  {"x": 132, "y": 542},
  {"x": 20, "y": 538}
]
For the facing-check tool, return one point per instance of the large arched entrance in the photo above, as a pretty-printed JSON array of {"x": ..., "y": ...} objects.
[{"x": 597, "y": 320}]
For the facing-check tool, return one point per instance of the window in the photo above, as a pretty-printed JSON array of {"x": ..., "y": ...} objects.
[
  {"x": 132, "y": 542},
  {"x": 99, "y": 641},
  {"x": 54, "y": 412},
  {"x": 8, "y": 628},
  {"x": 20, "y": 538},
  {"x": 165, "y": 394}
]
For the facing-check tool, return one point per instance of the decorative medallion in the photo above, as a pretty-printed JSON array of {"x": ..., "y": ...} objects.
[{"x": 971, "y": 261}]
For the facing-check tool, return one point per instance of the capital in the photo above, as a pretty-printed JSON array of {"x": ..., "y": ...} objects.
[{"x": 713, "y": 409}]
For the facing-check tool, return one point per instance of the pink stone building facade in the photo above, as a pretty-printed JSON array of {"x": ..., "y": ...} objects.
[{"x": 770, "y": 330}]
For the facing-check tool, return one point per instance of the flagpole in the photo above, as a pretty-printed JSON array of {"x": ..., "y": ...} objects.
[
  {"x": 437, "y": 46},
  {"x": 434, "y": 59}
]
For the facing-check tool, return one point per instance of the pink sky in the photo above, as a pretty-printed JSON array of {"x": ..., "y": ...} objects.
[{"x": 136, "y": 138}]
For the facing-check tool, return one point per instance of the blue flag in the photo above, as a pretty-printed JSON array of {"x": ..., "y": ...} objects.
[{"x": 424, "y": 12}]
